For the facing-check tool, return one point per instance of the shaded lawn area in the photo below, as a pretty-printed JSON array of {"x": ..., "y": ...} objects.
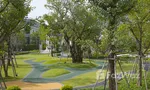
[{"x": 86, "y": 65}]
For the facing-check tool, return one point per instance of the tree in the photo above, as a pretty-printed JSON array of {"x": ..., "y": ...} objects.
[
  {"x": 112, "y": 11},
  {"x": 12, "y": 16},
  {"x": 17, "y": 40},
  {"x": 138, "y": 24},
  {"x": 76, "y": 21},
  {"x": 125, "y": 42},
  {"x": 12, "y": 20}
]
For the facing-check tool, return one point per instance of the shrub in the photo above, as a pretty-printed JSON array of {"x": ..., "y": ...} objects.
[
  {"x": 13, "y": 88},
  {"x": 22, "y": 52},
  {"x": 29, "y": 47},
  {"x": 43, "y": 46},
  {"x": 96, "y": 55},
  {"x": 67, "y": 87}
]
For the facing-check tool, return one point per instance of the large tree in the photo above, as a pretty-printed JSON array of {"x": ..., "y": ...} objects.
[
  {"x": 112, "y": 11},
  {"x": 76, "y": 21}
]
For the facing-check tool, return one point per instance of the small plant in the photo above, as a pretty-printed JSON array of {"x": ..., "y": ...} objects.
[
  {"x": 67, "y": 87},
  {"x": 13, "y": 88}
]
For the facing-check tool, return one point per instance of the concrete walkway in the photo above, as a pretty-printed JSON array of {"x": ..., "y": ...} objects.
[{"x": 38, "y": 69}]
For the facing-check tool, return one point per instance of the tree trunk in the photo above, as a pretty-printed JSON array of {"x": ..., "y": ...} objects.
[
  {"x": 112, "y": 82},
  {"x": 75, "y": 50},
  {"x": 9, "y": 51},
  {"x": 5, "y": 68},
  {"x": 140, "y": 54},
  {"x": 140, "y": 70},
  {"x": 52, "y": 52},
  {"x": 76, "y": 53},
  {"x": 111, "y": 56}
]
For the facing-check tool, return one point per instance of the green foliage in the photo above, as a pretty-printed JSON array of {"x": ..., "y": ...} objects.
[
  {"x": 12, "y": 16},
  {"x": 22, "y": 53},
  {"x": 43, "y": 46},
  {"x": 71, "y": 22},
  {"x": 67, "y": 87},
  {"x": 13, "y": 88},
  {"x": 133, "y": 83},
  {"x": 29, "y": 47},
  {"x": 138, "y": 23},
  {"x": 42, "y": 32},
  {"x": 97, "y": 55},
  {"x": 18, "y": 40}
]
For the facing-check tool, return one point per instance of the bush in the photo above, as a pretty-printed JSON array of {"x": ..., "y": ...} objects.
[
  {"x": 43, "y": 46},
  {"x": 29, "y": 47},
  {"x": 13, "y": 88},
  {"x": 22, "y": 52},
  {"x": 96, "y": 55},
  {"x": 67, "y": 87}
]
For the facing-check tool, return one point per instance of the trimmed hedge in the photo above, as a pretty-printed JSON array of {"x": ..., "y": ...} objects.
[
  {"x": 22, "y": 52},
  {"x": 29, "y": 47}
]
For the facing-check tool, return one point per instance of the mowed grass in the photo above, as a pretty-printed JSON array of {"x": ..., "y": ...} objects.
[
  {"x": 56, "y": 62},
  {"x": 85, "y": 79},
  {"x": 91, "y": 77},
  {"x": 54, "y": 73},
  {"x": 86, "y": 65}
]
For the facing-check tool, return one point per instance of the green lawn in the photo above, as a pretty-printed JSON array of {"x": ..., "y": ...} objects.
[
  {"x": 54, "y": 73},
  {"x": 84, "y": 79},
  {"x": 90, "y": 78},
  {"x": 73, "y": 65}
]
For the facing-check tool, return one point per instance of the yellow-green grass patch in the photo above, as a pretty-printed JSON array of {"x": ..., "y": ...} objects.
[{"x": 54, "y": 73}]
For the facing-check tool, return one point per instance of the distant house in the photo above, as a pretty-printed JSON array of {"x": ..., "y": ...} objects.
[{"x": 31, "y": 38}]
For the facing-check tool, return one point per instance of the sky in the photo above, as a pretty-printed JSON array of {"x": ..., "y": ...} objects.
[{"x": 39, "y": 9}]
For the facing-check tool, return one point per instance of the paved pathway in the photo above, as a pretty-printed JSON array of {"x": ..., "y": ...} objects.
[{"x": 39, "y": 69}]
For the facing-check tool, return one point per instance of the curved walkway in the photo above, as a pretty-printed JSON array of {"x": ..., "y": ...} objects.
[{"x": 38, "y": 69}]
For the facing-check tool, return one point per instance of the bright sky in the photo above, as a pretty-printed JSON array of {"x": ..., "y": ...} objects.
[{"x": 39, "y": 8}]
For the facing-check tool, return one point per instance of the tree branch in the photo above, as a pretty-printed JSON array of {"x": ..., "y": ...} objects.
[
  {"x": 134, "y": 35},
  {"x": 147, "y": 48},
  {"x": 4, "y": 7}
]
